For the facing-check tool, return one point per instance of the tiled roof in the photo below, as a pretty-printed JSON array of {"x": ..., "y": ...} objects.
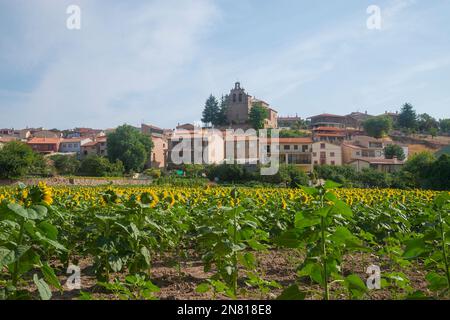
[
  {"x": 44, "y": 141},
  {"x": 328, "y": 129},
  {"x": 327, "y": 115}
]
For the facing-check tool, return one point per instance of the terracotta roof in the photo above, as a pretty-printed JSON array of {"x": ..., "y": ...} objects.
[
  {"x": 44, "y": 141},
  {"x": 327, "y": 115},
  {"x": 7, "y": 139},
  {"x": 90, "y": 144},
  {"x": 330, "y": 135},
  {"x": 328, "y": 129}
]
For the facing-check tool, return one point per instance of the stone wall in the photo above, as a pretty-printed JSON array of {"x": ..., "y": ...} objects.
[{"x": 57, "y": 181}]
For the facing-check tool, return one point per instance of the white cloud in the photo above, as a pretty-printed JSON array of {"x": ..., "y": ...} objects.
[{"x": 105, "y": 73}]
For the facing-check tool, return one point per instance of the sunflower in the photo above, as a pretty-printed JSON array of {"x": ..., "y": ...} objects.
[{"x": 46, "y": 193}]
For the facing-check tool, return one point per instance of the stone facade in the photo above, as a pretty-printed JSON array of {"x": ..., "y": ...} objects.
[{"x": 239, "y": 104}]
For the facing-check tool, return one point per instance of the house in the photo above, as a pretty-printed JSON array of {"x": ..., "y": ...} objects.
[
  {"x": 289, "y": 122},
  {"x": 97, "y": 146},
  {"x": 367, "y": 147},
  {"x": 239, "y": 105},
  {"x": 326, "y": 153},
  {"x": 4, "y": 140},
  {"x": 73, "y": 145},
  {"x": 330, "y": 134},
  {"x": 381, "y": 165},
  {"x": 295, "y": 151},
  {"x": 47, "y": 134},
  {"x": 195, "y": 147},
  {"x": 158, "y": 154},
  {"x": 44, "y": 145}
]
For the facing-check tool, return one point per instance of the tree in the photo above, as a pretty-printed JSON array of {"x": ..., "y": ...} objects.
[
  {"x": 293, "y": 134},
  {"x": 418, "y": 167},
  {"x": 378, "y": 127},
  {"x": 65, "y": 164},
  {"x": 129, "y": 146},
  {"x": 407, "y": 118},
  {"x": 257, "y": 115},
  {"x": 95, "y": 166},
  {"x": 439, "y": 174},
  {"x": 221, "y": 118},
  {"x": 444, "y": 126},
  {"x": 394, "y": 150},
  {"x": 16, "y": 160},
  {"x": 426, "y": 123},
  {"x": 211, "y": 111}
]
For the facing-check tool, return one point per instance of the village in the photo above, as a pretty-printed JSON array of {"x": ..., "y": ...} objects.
[{"x": 323, "y": 139}]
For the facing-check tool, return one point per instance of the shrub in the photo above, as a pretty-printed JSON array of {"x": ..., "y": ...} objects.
[
  {"x": 152, "y": 172},
  {"x": 95, "y": 166}
]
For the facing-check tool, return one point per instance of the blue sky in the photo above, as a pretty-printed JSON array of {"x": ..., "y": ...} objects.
[{"x": 157, "y": 61}]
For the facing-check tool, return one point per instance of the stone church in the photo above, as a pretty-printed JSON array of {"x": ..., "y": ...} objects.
[{"x": 239, "y": 104}]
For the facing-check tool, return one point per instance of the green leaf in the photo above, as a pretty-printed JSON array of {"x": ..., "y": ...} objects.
[
  {"x": 436, "y": 282},
  {"x": 289, "y": 239},
  {"x": 43, "y": 288},
  {"x": 146, "y": 254},
  {"x": 414, "y": 248},
  {"x": 340, "y": 207},
  {"x": 49, "y": 230},
  {"x": 18, "y": 209},
  {"x": 322, "y": 212},
  {"x": 301, "y": 222},
  {"x": 331, "y": 185},
  {"x": 50, "y": 277},
  {"x": 355, "y": 285},
  {"x": 292, "y": 293},
  {"x": 255, "y": 245},
  {"x": 6, "y": 257},
  {"x": 115, "y": 263},
  {"x": 309, "y": 190},
  {"x": 202, "y": 287}
]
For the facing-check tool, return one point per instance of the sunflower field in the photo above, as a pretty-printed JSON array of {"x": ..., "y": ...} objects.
[{"x": 222, "y": 242}]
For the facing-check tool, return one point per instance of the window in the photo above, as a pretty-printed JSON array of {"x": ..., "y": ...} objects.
[
  {"x": 315, "y": 162},
  {"x": 240, "y": 97},
  {"x": 305, "y": 148},
  {"x": 331, "y": 154},
  {"x": 322, "y": 146},
  {"x": 333, "y": 163},
  {"x": 295, "y": 147},
  {"x": 234, "y": 97},
  {"x": 286, "y": 147},
  {"x": 358, "y": 153},
  {"x": 314, "y": 154}
]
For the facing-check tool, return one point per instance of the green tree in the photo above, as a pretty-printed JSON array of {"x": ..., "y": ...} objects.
[
  {"x": 65, "y": 164},
  {"x": 129, "y": 146},
  {"x": 16, "y": 160},
  {"x": 444, "y": 126},
  {"x": 95, "y": 166},
  {"x": 394, "y": 150},
  {"x": 418, "y": 167},
  {"x": 257, "y": 115},
  {"x": 293, "y": 134},
  {"x": 211, "y": 111},
  {"x": 378, "y": 127},
  {"x": 407, "y": 118},
  {"x": 221, "y": 118},
  {"x": 426, "y": 123},
  {"x": 439, "y": 174}
]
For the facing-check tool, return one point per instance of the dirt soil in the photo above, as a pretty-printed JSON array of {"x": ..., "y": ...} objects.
[{"x": 278, "y": 265}]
